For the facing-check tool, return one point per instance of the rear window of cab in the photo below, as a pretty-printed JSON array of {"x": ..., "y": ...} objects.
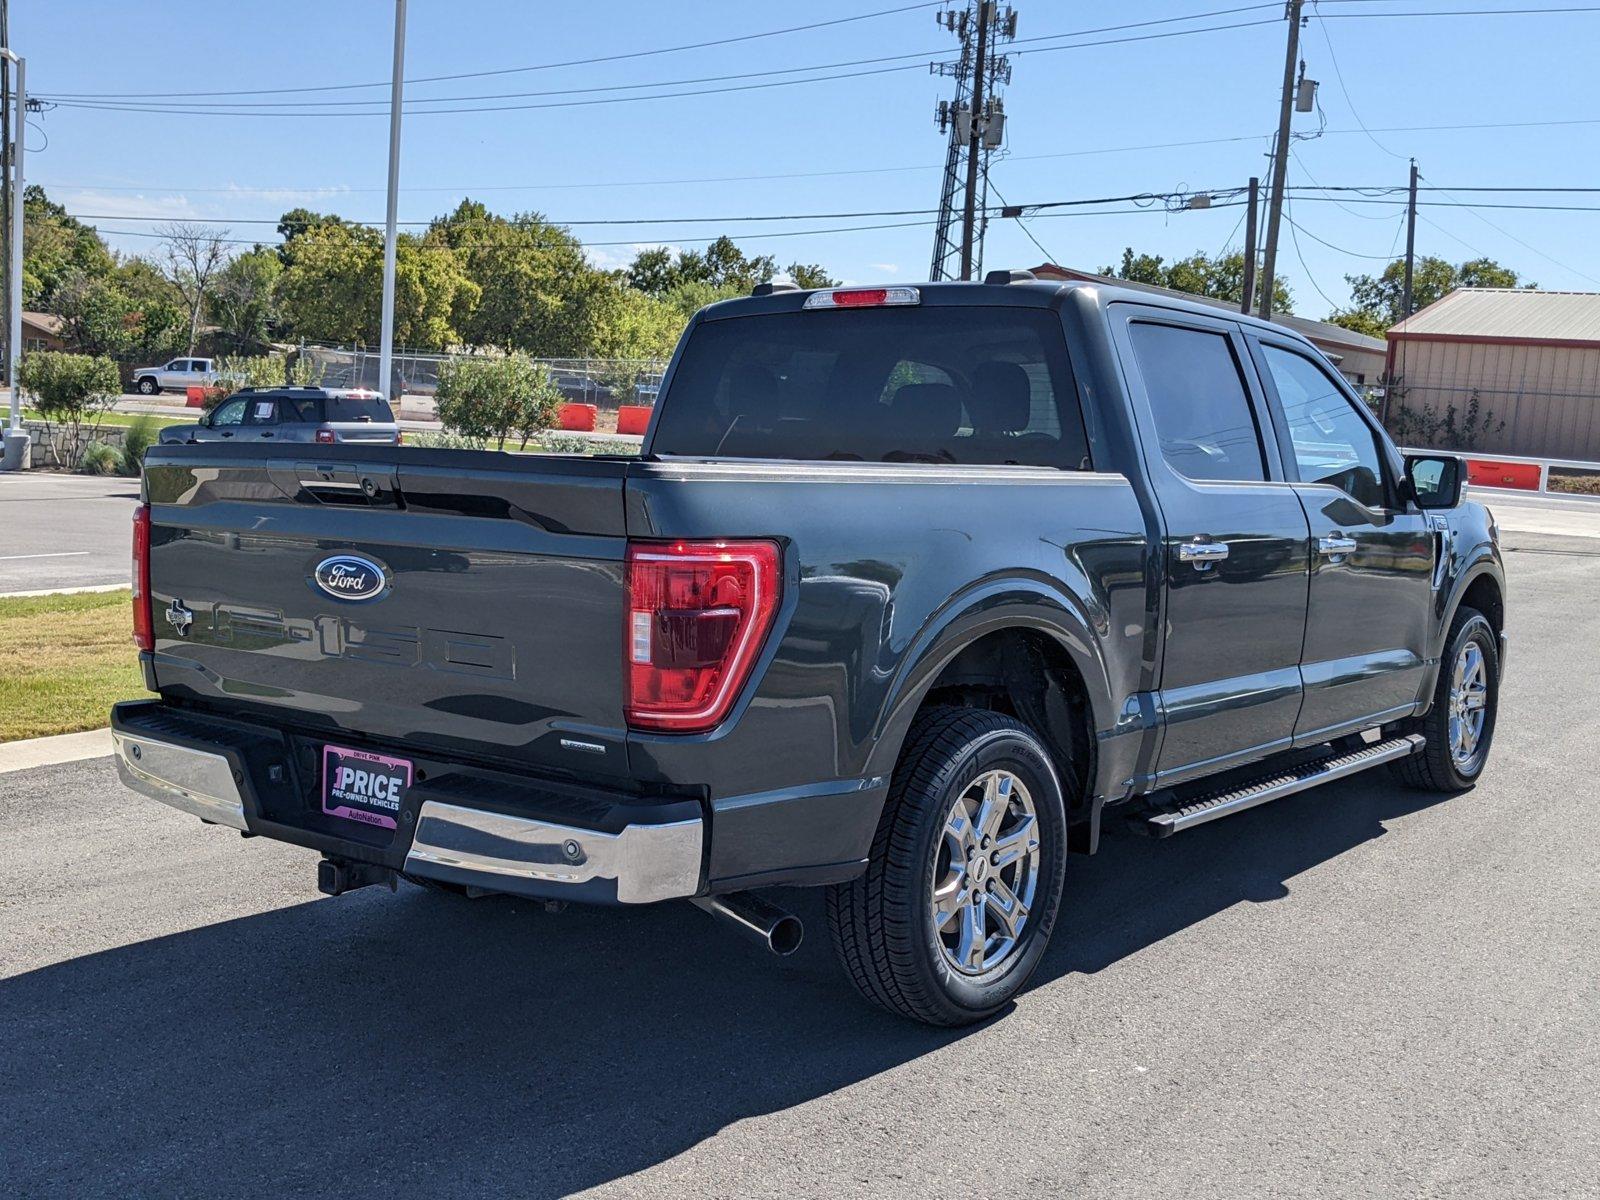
[{"x": 955, "y": 385}]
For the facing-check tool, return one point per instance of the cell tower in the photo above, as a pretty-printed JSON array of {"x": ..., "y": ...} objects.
[{"x": 979, "y": 25}]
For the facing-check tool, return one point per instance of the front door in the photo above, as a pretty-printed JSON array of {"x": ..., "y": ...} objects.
[
  {"x": 1372, "y": 557},
  {"x": 1234, "y": 555}
]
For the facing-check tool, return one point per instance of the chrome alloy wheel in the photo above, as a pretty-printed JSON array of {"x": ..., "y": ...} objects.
[
  {"x": 1469, "y": 700},
  {"x": 985, "y": 872}
]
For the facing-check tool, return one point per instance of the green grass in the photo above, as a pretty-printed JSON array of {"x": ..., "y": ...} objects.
[
  {"x": 123, "y": 420},
  {"x": 64, "y": 660}
]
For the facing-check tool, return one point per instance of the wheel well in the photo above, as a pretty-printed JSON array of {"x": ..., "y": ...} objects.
[
  {"x": 1028, "y": 675},
  {"x": 1483, "y": 594}
]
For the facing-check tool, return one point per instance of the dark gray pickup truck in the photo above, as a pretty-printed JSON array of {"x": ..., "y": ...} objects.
[{"x": 908, "y": 589}]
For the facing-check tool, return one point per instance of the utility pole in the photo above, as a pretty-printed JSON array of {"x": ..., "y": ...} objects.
[
  {"x": 396, "y": 94},
  {"x": 1280, "y": 160},
  {"x": 1411, "y": 243},
  {"x": 974, "y": 124},
  {"x": 969, "y": 208},
  {"x": 1248, "y": 286}
]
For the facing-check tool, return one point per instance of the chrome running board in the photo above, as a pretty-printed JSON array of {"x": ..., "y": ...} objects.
[{"x": 1211, "y": 806}]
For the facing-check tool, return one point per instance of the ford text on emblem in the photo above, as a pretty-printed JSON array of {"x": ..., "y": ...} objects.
[{"x": 350, "y": 577}]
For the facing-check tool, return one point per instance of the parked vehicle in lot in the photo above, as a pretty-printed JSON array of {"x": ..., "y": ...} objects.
[
  {"x": 328, "y": 416},
  {"x": 177, "y": 375},
  {"x": 908, "y": 591}
]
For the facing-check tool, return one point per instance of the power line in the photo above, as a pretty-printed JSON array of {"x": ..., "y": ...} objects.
[
  {"x": 234, "y": 111},
  {"x": 551, "y": 66},
  {"x": 1339, "y": 75}
]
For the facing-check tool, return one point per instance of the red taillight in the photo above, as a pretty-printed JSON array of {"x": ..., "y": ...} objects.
[
  {"x": 698, "y": 613},
  {"x": 143, "y": 627},
  {"x": 325, "y": 437}
]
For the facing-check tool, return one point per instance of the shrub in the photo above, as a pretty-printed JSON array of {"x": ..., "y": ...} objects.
[
  {"x": 138, "y": 438},
  {"x": 428, "y": 439},
  {"x": 100, "y": 459},
  {"x": 73, "y": 393},
  {"x": 493, "y": 399},
  {"x": 236, "y": 372}
]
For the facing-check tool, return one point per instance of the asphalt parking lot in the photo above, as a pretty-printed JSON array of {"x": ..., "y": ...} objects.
[
  {"x": 64, "y": 531},
  {"x": 1358, "y": 991}
]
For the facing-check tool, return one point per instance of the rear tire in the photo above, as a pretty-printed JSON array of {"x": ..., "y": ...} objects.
[
  {"x": 1460, "y": 725},
  {"x": 147, "y": 386},
  {"x": 961, "y": 891}
]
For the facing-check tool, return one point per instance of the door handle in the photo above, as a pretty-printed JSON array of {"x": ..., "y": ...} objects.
[
  {"x": 225, "y": 433},
  {"x": 1202, "y": 554},
  {"x": 1336, "y": 546}
]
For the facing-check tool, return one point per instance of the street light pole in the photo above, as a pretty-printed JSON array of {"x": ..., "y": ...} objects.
[
  {"x": 14, "y": 432},
  {"x": 397, "y": 89}
]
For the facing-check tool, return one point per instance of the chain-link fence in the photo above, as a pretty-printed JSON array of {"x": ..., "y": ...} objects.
[{"x": 603, "y": 382}]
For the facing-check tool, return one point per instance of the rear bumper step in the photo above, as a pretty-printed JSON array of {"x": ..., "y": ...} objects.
[
  {"x": 227, "y": 773},
  {"x": 1215, "y": 805}
]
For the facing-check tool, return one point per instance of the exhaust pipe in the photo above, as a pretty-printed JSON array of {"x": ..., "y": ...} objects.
[{"x": 778, "y": 931}]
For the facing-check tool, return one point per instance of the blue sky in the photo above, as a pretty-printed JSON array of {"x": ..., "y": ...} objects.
[{"x": 1068, "y": 110}]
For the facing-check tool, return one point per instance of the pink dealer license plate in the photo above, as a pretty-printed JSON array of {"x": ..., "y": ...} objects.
[{"x": 361, "y": 786}]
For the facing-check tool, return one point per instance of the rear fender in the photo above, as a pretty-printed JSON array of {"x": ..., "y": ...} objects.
[{"x": 1011, "y": 603}]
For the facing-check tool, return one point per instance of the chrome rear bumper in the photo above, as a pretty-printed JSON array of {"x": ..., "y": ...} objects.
[
  {"x": 648, "y": 862},
  {"x": 192, "y": 781},
  {"x": 495, "y": 851}
]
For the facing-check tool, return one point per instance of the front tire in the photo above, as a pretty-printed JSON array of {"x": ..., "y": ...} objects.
[
  {"x": 147, "y": 387},
  {"x": 964, "y": 881},
  {"x": 1460, "y": 724}
]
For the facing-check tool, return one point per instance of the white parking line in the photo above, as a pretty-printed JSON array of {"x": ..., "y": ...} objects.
[{"x": 56, "y": 554}]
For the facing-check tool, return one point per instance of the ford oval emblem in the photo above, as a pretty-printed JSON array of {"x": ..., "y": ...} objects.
[{"x": 350, "y": 577}]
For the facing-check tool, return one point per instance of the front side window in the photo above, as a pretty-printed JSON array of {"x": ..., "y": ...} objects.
[
  {"x": 1199, "y": 402},
  {"x": 931, "y": 384},
  {"x": 1332, "y": 444},
  {"x": 230, "y": 413},
  {"x": 177, "y": 364}
]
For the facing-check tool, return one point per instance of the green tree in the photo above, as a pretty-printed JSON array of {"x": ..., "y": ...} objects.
[
  {"x": 126, "y": 312},
  {"x": 332, "y": 289},
  {"x": 1220, "y": 278},
  {"x": 299, "y": 221},
  {"x": 1378, "y": 300},
  {"x": 487, "y": 398},
  {"x": 243, "y": 301},
  {"x": 722, "y": 264},
  {"x": 811, "y": 275},
  {"x": 536, "y": 290},
  {"x": 73, "y": 392},
  {"x": 55, "y": 246}
]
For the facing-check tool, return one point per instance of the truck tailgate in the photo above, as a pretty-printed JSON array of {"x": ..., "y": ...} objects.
[{"x": 486, "y": 622}]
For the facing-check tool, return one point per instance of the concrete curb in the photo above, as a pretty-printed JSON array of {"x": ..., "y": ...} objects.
[
  {"x": 66, "y": 591},
  {"x": 52, "y": 751}
]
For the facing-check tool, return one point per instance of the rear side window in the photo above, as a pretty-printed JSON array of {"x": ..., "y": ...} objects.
[
  {"x": 358, "y": 408},
  {"x": 934, "y": 385},
  {"x": 307, "y": 409},
  {"x": 1199, "y": 402}
]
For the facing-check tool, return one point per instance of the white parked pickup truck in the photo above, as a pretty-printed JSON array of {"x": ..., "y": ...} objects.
[{"x": 175, "y": 376}]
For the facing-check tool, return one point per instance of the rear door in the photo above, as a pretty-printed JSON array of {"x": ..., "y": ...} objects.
[
  {"x": 1372, "y": 558},
  {"x": 1234, "y": 556}
]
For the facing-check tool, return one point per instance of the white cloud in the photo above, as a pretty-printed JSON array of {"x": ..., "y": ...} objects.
[{"x": 885, "y": 268}]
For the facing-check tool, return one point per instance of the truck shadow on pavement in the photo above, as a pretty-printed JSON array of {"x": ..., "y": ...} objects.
[{"x": 380, "y": 1043}]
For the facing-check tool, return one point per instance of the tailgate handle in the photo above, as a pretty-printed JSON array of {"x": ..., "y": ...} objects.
[{"x": 346, "y": 483}]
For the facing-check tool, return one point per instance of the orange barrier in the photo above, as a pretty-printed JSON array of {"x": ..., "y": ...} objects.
[
  {"x": 1485, "y": 472},
  {"x": 633, "y": 418},
  {"x": 578, "y": 417},
  {"x": 195, "y": 397}
]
